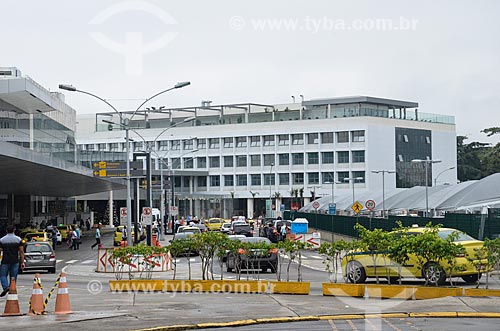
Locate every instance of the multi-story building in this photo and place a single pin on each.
(231, 159)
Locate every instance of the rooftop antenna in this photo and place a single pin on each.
(302, 97)
(293, 98)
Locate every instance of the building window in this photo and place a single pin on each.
(358, 174)
(215, 181)
(312, 138)
(284, 159)
(89, 147)
(359, 136)
(343, 137)
(241, 142)
(202, 181)
(228, 142)
(297, 139)
(214, 143)
(228, 161)
(102, 147)
(297, 158)
(255, 141)
(228, 180)
(188, 144)
(269, 160)
(185, 181)
(343, 157)
(327, 137)
(269, 140)
(327, 177)
(312, 158)
(188, 163)
(313, 177)
(113, 147)
(298, 179)
(342, 175)
(202, 162)
(284, 179)
(255, 180)
(400, 158)
(358, 156)
(201, 143)
(428, 140)
(327, 157)
(241, 160)
(214, 162)
(283, 140)
(175, 145)
(241, 180)
(269, 179)
(163, 145)
(176, 163)
(255, 160)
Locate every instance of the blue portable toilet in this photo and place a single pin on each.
(300, 225)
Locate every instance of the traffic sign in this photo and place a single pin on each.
(370, 204)
(174, 211)
(147, 217)
(357, 207)
(123, 215)
(116, 165)
(107, 173)
(315, 204)
(332, 208)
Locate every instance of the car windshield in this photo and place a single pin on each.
(462, 236)
(214, 221)
(241, 227)
(38, 248)
(255, 240)
(226, 225)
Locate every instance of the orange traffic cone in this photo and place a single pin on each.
(62, 300)
(36, 301)
(12, 304)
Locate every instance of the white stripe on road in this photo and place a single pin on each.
(317, 257)
(88, 261)
(72, 261)
(58, 261)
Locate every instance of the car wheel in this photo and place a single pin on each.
(52, 270)
(355, 272)
(434, 274)
(472, 279)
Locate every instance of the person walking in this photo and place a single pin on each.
(97, 237)
(13, 256)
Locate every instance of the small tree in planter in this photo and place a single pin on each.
(400, 248)
(490, 251)
(292, 250)
(207, 244)
(182, 247)
(378, 242)
(450, 250)
(352, 266)
(332, 253)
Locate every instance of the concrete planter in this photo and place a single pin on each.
(431, 292)
(289, 287)
(480, 292)
(390, 291)
(343, 290)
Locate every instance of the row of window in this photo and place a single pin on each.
(283, 179)
(230, 161)
(242, 142)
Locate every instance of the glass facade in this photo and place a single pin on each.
(412, 144)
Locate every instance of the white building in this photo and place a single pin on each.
(231, 158)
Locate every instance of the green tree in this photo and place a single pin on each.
(332, 253)
(400, 248)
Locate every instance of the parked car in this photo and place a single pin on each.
(186, 228)
(201, 226)
(39, 256)
(255, 259)
(358, 266)
(184, 236)
(35, 236)
(243, 229)
(214, 224)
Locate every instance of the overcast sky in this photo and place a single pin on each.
(442, 54)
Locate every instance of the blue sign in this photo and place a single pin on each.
(282, 207)
(332, 208)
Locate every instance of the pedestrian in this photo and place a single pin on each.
(74, 239)
(81, 223)
(87, 224)
(97, 237)
(124, 233)
(53, 232)
(283, 232)
(78, 237)
(13, 256)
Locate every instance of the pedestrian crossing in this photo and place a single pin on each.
(75, 261)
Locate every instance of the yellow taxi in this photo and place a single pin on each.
(34, 236)
(64, 230)
(214, 224)
(357, 266)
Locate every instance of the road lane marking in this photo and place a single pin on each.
(316, 257)
(57, 261)
(332, 324)
(88, 261)
(71, 262)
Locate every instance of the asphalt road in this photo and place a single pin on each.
(95, 307)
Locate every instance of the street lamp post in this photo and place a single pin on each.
(125, 122)
(270, 188)
(445, 170)
(427, 163)
(353, 180)
(383, 172)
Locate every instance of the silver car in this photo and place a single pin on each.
(39, 256)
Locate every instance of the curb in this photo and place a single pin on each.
(323, 317)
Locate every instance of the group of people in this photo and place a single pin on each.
(274, 234)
